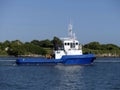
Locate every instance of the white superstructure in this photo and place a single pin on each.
(71, 46)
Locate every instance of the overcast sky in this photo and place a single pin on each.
(92, 20)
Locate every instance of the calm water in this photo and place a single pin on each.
(103, 75)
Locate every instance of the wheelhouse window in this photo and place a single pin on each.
(76, 43)
(66, 44)
(72, 45)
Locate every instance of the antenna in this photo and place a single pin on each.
(70, 30)
(70, 33)
(74, 37)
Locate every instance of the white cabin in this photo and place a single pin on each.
(71, 46)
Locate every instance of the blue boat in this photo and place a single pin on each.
(70, 54)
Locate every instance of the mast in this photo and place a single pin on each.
(70, 34)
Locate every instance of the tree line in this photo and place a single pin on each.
(35, 47)
(44, 47)
(102, 49)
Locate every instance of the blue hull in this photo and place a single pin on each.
(66, 60)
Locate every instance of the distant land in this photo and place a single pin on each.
(45, 48)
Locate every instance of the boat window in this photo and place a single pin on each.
(65, 43)
(76, 43)
(72, 45)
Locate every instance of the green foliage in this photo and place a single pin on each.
(97, 48)
(34, 49)
(93, 45)
(25, 49)
(16, 48)
(57, 43)
(3, 53)
(111, 47)
(44, 47)
(44, 43)
(35, 42)
(4, 44)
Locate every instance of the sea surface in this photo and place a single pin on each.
(104, 74)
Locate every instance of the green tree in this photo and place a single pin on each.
(43, 43)
(57, 42)
(4, 45)
(111, 47)
(16, 48)
(36, 42)
(93, 45)
(34, 49)
(46, 43)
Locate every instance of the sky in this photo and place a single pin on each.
(92, 20)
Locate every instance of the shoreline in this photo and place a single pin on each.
(40, 56)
